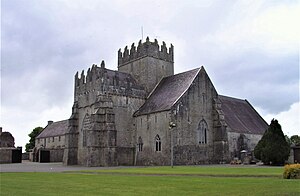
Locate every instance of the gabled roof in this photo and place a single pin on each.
(54, 129)
(167, 92)
(241, 117)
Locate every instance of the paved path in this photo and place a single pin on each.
(27, 166)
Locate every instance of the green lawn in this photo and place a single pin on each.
(233, 171)
(118, 182)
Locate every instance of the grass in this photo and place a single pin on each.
(120, 183)
(233, 171)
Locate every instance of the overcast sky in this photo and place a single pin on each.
(250, 49)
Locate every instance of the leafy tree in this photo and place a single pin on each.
(272, 148)
(35, 132)
(295, 139)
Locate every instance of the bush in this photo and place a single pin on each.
(292, 171)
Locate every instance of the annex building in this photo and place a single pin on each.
(143, 114)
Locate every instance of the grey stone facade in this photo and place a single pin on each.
(51, 139)
(143, 114)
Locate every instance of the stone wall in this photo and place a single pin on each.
(56, 155)
(147, 63)
(6, 155)
(147, 128)
(191, 154)
(239, 142)
(126, 155)
(193, 110)
(51, 142)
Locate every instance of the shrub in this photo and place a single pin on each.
(292, 171)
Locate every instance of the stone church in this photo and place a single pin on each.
(143, 114)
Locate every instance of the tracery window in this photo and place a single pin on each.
(157, 143)
(202, 132)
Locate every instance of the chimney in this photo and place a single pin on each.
(50, 122)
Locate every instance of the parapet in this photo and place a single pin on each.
(102, 80)
(147, 48)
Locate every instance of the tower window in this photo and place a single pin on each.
(157, 143)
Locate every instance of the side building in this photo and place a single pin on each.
(50, 143)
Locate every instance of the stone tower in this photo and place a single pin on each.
(147, 63)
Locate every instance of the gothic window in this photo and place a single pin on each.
(202, 132)
(140, 144)
(157, 143)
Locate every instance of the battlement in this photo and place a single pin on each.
(147, 48)
(91, 75)
(100, 80)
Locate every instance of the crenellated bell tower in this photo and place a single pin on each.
(148, 63)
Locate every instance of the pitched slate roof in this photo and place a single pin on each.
(241, 117)
(55, 129)
(167, 92)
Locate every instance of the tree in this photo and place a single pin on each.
(35, 132)
(272, 148)
(295, 139)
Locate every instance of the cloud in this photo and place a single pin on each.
(289, 120)
(273, 29)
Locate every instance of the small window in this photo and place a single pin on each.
(157, 143)
(140, 144)
(59, 138)
(52, 139)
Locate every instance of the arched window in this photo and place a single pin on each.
(202, 132)
(140, 144)
(157, 143)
